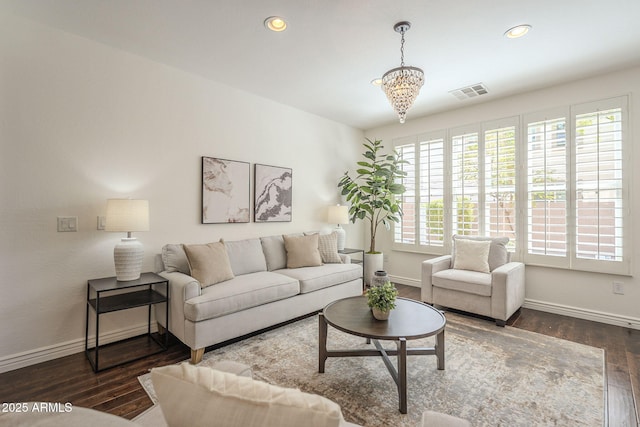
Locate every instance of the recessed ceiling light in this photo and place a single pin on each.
(377, 81)
(275, 23)
(517, 31)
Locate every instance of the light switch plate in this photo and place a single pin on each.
(102, 220)
(67, 223)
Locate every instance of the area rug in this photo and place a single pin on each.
(493, 377)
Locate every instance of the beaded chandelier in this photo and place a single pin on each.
(402, 84)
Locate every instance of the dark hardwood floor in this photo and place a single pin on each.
(117, 390)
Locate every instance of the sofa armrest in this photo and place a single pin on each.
(182, 288)
(429, 268)
(507, 293)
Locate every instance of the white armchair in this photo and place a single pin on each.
(478, 277)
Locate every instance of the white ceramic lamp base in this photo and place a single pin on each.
(128, 256)
(342, 237)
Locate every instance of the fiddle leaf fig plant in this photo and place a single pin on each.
(372, 193)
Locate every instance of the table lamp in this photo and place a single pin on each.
(127, 215)
(339, 215)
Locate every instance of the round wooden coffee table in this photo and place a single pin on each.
(408, 321)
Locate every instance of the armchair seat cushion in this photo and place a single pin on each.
(471, 282)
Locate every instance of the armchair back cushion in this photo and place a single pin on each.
(498, 253)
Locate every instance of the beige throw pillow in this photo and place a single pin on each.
(195, 395)
(209, 263)
(302, 251)
(472, 255)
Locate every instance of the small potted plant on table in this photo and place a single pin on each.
(382, 299)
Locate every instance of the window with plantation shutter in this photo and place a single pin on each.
(500, 183)
(405, 231)
(599, 185)
(431, 193)
(547, 187)
(555, 182)
(465, 184)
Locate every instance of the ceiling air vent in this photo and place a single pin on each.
(469, 91)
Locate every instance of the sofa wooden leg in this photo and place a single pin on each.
(196, 355)
(501, 323)
(161, 329)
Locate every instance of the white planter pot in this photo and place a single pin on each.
(379, 314)
(372, 263)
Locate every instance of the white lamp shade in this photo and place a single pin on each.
(338, 215)
(127, 215)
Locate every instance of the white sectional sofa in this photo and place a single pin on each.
(263, 290)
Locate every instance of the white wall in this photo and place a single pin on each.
(581, 294)
(81, 122)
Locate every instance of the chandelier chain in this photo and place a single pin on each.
(402, 49)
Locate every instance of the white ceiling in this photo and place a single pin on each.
(324, 62)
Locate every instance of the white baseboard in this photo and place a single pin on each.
(581, 313)
(43, 354)
(565, 310)
(406, 281)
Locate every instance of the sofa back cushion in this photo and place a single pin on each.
(209, 264)
(174, 259)
(245, 256)
(498, 253)
(274, 252)
(192, 395)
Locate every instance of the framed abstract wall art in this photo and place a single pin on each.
(225, 191)
(273, 194)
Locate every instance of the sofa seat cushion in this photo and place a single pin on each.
(314, 278)
(471, 282)
(240, 293)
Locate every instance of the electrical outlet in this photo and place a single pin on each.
(67, 223)
(618, 288)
